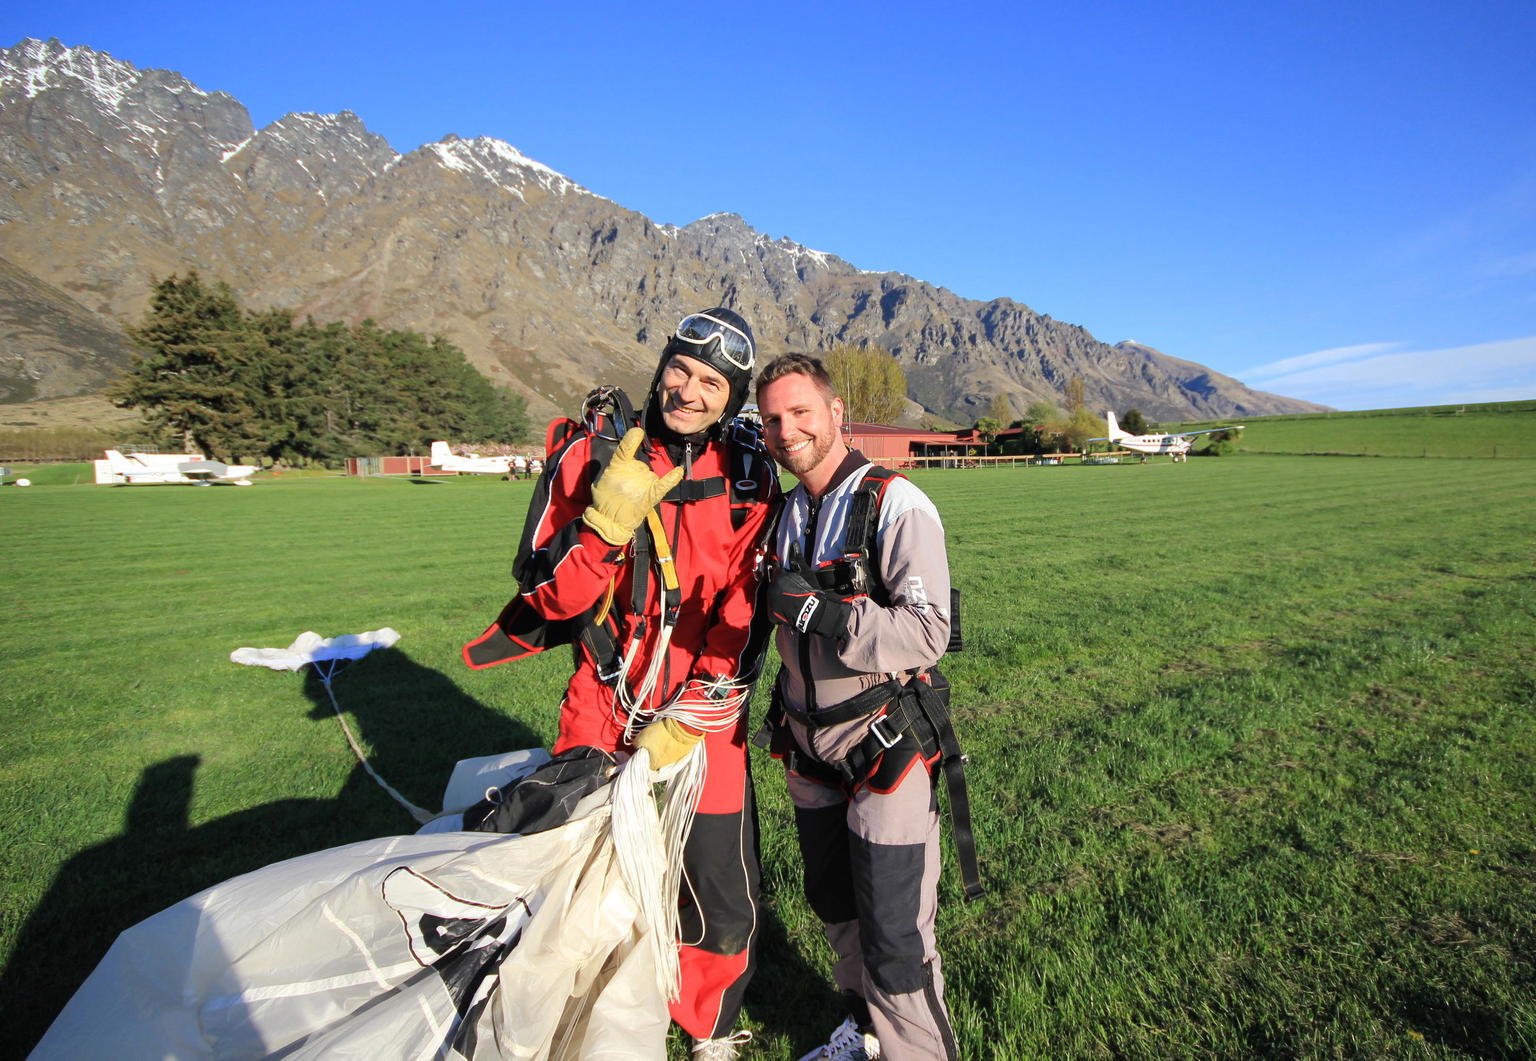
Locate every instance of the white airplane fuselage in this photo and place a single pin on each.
(1155, 443)
(137, 469)
(442, 456)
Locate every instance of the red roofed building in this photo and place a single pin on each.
(895, 447)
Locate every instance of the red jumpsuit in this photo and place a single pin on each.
(713, 540)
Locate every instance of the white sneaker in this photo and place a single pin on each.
(847, 1043)
(723, 1049)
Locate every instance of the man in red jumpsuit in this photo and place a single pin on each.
(681, 667)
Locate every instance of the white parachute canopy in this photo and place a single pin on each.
(456, 945)
(309, 647)
(466, 946)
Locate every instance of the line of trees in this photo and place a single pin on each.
(253, 386)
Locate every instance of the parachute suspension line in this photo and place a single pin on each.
(644, 863)
(711, 704)
(632, 706)
(679, 803)
(326, 669)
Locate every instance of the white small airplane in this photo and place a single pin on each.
(1176, 446)
(135, 469)
(448, 461)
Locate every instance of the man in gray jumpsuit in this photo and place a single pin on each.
(870, 837)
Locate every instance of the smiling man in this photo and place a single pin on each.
(666, 663)
(860, 625)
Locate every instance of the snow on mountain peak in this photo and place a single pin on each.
(795, 250)
(37, 66)
(502, 164)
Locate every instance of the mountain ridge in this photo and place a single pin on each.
(111, 177)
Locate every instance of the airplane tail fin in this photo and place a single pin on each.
(1114, 429)
(440, 454)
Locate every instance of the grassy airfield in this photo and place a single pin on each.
(1253, 740)
(1493, 429)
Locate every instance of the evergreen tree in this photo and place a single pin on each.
(194, 375)
(244, 385)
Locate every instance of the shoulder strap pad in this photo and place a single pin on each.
(864, 511)
(855, 571)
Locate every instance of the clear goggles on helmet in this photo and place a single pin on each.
(735, 347)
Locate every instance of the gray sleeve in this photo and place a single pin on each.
(914, 630)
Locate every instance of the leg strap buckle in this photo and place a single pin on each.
(877, 730)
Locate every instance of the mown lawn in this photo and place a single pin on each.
(1252, 739)
(1499, 430)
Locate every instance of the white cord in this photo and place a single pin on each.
(631, 706)
(646, 864)
(421, 816)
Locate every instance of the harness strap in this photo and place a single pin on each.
(921, 707)
(663, 551)
(915, 710)
(696, 489)
(602, 609)
(869, 700)
(931, 703)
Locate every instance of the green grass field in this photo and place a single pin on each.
(1254, 751)
(1497, 429)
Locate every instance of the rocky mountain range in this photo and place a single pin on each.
(112, 177)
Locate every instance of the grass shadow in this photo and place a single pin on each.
(415, 723)
(786, 991)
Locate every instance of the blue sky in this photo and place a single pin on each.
(1334, 201)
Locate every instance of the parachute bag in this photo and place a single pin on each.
(545, 798)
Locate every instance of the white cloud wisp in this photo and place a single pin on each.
(1384, 376)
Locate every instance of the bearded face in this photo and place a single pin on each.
(801, 424)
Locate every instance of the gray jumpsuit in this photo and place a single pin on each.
(872, 856)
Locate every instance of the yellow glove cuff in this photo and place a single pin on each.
(668, 740)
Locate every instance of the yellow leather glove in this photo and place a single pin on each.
(626, 491)
(668, 740)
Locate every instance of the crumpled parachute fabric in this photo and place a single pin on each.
(310, 647)
(440, 945)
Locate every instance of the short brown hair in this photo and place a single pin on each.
(793, 365)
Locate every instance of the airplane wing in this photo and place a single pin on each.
(1206, 431)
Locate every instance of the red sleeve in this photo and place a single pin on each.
(570, 566)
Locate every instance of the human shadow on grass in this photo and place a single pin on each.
(787, 995)
(414, 722)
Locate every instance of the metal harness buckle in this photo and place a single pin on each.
(885, 742)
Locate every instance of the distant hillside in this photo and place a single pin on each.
(50, 345)
(112, 177)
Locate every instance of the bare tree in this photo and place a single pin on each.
(870, 382)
